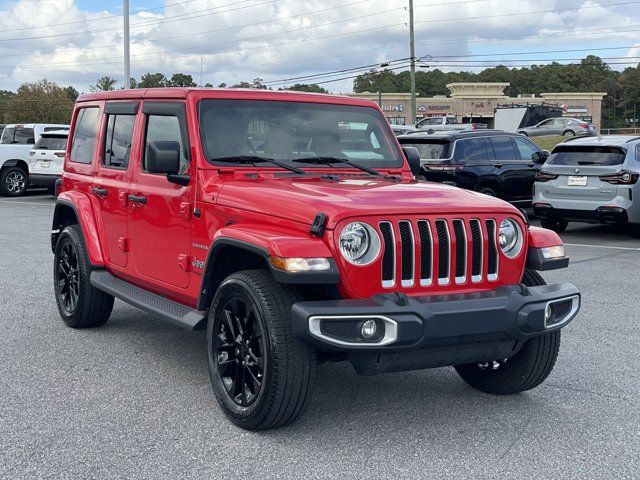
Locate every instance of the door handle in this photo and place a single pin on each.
(137, 198)
(498, 165)
(100, 192)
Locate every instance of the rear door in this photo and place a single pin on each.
(160, 211)
(111, 182)
(579, 168)
(515, 179)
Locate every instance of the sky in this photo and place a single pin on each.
(74, 42)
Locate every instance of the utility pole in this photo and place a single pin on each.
(413, 63)
(127, 64)
(201, 60)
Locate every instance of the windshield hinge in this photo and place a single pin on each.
(318, 225)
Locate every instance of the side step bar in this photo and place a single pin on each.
(157, 305)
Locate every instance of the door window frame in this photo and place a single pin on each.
(166, 109)
(117, 109)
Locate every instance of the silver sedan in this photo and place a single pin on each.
(565, 126)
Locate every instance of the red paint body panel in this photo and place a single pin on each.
(167, 244)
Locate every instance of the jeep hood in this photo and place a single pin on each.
(301, 198)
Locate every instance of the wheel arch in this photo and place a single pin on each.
(16, 162)
(74, 208)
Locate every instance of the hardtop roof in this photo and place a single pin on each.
(601, 140)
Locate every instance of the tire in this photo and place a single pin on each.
(525, 370)
(87, 307)
(488, 191)
(13, 182)
(556, 224)
(253, 303)
(524, 134)
(568, 133)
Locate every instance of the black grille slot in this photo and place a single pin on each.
(388, 257)
(425, 253)
(443, 249)
(341, 329)
(492, 260)
(461, 248)
(476, 248)
(406, 239)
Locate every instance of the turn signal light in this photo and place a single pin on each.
(295, 265)
(621, 178)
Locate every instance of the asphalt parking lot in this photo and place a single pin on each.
(132, 399)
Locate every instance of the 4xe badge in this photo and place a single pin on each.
(199, 264)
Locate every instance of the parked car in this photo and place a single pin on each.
(402, 129)
(308, 245)
(493, 162)
(446, 123)
(568, 127)
(46, 159)
(16, 142)
(593, 180)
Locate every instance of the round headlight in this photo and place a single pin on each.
(359, 243)
(510, 238)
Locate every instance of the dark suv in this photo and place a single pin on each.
(492, 162)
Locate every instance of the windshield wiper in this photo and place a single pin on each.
(253, 159)
(330, 160)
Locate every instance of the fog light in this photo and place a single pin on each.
(368, 329)
(548, 313)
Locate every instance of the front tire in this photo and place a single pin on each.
(262, 374)
(525, 370)
(13, 182)
(80, 304)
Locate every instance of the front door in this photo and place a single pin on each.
(513, 173)
(111, 183)
(159, 226)
(531, 157)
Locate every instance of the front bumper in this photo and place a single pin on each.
(43, 180)
(424, 332)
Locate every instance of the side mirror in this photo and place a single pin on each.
(540, 157)
(163, 157)
(413, 159)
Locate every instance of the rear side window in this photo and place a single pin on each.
(472, 150)
(431, 151)
(587, 155)
(84, 136)
(117, 144)
(503, 148)
(51, 143)
(18, 136)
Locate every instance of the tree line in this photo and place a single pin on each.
(591, 74)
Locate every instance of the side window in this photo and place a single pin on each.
(546, 123)
(117, 142)
(164, 128)
(84, 136)
(472, 150)
(503, 148)
(525, 148)
(638, 153)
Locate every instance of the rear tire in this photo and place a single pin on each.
(569, 133)
(80, 304)
(488, 191)
(525, 370)
(250, 321)
(13, 182)
(556, 224)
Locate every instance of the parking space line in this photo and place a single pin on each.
(26, 203)
(636, 249)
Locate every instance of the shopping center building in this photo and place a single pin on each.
(475, 102)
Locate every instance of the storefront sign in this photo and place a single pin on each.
(393, 108)
(423, 107)
(575, 108)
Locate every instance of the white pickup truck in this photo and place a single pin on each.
(15, 144)
(446, 123)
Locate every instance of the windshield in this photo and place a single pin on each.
(51, 143)
(288, 131)
(586, 155)
(16, 135)
(431, 151)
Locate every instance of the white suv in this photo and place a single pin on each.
(46, 159)
(15, 144)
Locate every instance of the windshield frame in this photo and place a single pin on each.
(387, 136)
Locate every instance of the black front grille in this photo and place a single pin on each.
(389, 256)
(443, 249)
(492, 259)
(476, 248)
(461, 248)
(407, 250)
(426, 261)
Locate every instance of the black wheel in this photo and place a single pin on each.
(488, 191)
(13, 181)
(262, 375)
(80, 304)
(525, 370)
(569, 133)
(556, 224)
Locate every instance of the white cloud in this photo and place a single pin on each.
(288, 38)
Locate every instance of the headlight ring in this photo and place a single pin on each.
(359, 243)
(510, 238)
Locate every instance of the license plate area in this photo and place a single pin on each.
(577, 181)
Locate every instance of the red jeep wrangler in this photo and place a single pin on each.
(290, 226)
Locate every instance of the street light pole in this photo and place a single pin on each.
(413, 62)
(127, 64)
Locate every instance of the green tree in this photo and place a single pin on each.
(304, 87)
(153, 80)
(181, 80)
(257, 84)
(39, 102)
(5, 98)
(72, 93)
(104, 84)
